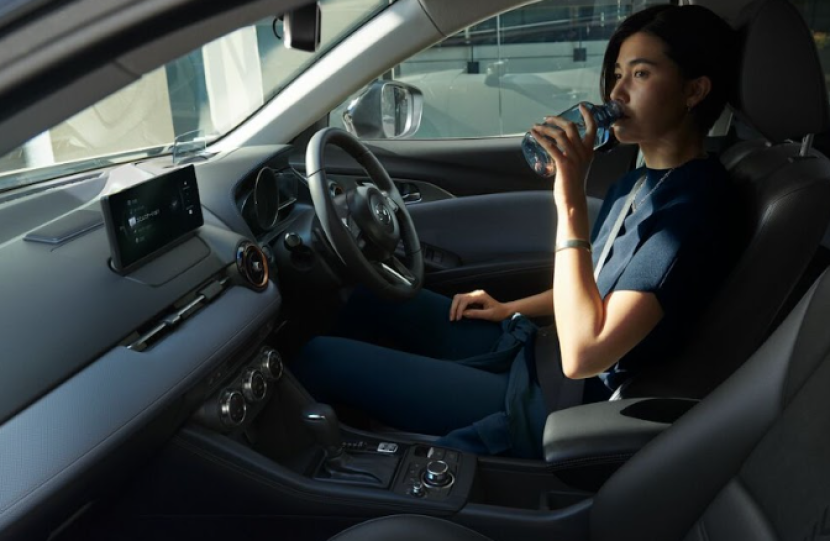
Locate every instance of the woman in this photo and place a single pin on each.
(472, 379)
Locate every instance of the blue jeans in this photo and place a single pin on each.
(415, 386)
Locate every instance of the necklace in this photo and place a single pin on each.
(634, 203)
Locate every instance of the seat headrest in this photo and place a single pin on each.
(780, 88)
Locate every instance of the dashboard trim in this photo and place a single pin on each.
(67, 432)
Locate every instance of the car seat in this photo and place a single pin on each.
(784, 189)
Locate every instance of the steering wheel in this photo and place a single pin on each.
(366, 223)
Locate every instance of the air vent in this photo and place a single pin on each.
(252, 264)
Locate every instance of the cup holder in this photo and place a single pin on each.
(659, 410)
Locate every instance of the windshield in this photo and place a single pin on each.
(198, 97)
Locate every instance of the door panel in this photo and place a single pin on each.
(485, 219)
(498, 242)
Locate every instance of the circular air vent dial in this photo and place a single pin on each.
(232, 408)
(254, 386)
(252, 264)
(271, 364)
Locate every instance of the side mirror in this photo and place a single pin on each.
(302, 28)
(385, 110)
(495, 71)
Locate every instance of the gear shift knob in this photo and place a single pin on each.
(323, 423)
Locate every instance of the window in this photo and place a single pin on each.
(502, 75)
(202, 95)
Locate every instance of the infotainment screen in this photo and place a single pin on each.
(144, 219)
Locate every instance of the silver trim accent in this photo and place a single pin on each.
(430, 486)
(173, 320)
(266, 364)
(446, 472)
(387, 447)
(248, 389)
(315, 417)
(395, 274)
(225, 408)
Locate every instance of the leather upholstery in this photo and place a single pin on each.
(777, 187)
(754, 432)
(775, 184)
(781, 87)
(409, 528)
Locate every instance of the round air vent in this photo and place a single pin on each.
(252, 264)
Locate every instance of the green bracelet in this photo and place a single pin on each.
(573, 243)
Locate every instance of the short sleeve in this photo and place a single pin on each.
(671, 261)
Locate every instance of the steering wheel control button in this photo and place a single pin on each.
(254, 385)
(388, 448)
(383, 214)
(437, 474)
(232, 408)
(389, 201)
(271, 364)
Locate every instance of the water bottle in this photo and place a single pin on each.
(604, 115)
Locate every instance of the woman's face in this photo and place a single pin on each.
(652, 90)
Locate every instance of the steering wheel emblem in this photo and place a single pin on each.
(383, 214)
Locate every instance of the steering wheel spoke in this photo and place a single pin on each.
(390, 201)
(360, 240)
(395, 272)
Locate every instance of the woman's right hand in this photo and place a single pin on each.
(486, 307)
(571, 153)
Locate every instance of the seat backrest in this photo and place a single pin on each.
(784, 190)
(749, 462)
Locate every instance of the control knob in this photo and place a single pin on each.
(271, 364)
(232, 408)
(292, 241)
(254, 385)
(437, 474)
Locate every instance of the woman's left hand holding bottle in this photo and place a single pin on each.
(571, 153)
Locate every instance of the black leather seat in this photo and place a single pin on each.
(785, 187)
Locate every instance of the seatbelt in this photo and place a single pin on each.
(559, 391)
(615, 230)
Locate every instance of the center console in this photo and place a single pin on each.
(290, 456)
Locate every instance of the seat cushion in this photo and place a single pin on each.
(409, 528)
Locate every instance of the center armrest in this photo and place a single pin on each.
(609, 431)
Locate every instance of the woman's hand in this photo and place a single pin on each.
(487, 307)
(574, 158)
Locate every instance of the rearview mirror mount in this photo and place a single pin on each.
(302, 28)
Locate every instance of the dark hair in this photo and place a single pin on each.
(697, 40)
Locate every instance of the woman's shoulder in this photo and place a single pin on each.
(703, 181)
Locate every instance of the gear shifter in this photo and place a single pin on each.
(339, 465)
(323, 423)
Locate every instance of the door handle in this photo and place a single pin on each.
(409, 192)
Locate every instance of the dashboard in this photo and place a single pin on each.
(94, 358)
